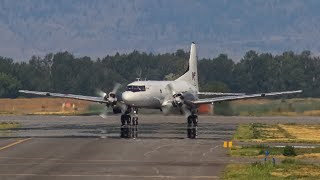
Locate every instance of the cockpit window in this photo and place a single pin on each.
(142, 88)
(136, 88)
(129, 88)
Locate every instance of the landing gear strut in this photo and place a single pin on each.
(192, 127)
(129, 125)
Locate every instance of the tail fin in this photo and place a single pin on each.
(191, 76)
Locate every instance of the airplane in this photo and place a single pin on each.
(181, 94)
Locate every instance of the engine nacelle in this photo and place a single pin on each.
(111, 99)
(178, 100)
(116, 110)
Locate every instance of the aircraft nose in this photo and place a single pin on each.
(126, 96)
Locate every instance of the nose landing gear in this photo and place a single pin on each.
(129, 126)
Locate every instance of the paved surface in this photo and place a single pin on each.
(53, 147)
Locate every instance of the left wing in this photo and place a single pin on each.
(230, 98)
(72, 96)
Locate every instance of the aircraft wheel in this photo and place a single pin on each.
(195, 120)
(128, 119)
(123, 119)
(135, 121)
(190, 120)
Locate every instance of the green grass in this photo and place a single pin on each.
(256, 150)
(257, 132)
(247, 132)
(8, 125)
(267, 108)
(287, 169)
(248, 171)
(244, 132)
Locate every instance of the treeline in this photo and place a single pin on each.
(65, 73)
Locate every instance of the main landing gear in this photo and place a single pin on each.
(129, 125)
(192, 127)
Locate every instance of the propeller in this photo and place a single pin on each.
(111, 97)
(104, 113)
(173, 99)
(100, 93)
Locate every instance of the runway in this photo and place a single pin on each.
(89, 147)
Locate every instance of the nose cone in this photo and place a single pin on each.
(126, 96)
(129, 97)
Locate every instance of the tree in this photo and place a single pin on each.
(9, 86)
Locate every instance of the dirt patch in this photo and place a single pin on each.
(42, 105)
(303, 132)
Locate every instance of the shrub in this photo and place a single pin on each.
(289, 161)
(289, 151)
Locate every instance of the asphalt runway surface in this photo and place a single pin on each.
(89, 147)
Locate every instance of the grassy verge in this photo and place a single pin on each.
(257, 132)
(259, 150)
(285, 133)
(267, 107)
(287, 169)
(8, 125)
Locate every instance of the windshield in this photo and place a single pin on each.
(136, 88)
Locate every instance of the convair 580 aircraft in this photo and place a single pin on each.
(181, 94)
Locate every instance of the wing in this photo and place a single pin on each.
(230, 98)
(72, 96)
(219, 94)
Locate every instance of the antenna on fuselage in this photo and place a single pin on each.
(138, 79)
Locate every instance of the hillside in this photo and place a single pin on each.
(98, 27)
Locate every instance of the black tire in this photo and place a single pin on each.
(128, 119)
(195, 120)
(123, 119)
(126, 132)
(122, 132)
(116, 110)
(189, 130)
(190, 120)
(193, 133)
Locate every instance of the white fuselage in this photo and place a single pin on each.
(151, 94)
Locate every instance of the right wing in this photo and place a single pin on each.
(219, 94)
(72, 96)
(230, 98)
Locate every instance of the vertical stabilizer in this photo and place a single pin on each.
(191, 76)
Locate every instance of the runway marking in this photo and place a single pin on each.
(201, 164)
(14, 143)
(102, 161)
(113, 175)
(157, 148)
(57, 159)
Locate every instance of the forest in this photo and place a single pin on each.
(255, 72)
